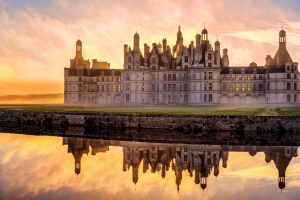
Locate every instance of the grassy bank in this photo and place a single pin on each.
(288, 111)
(209, 111)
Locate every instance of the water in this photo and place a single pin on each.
(43, 167)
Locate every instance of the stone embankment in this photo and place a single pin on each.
(144, 121)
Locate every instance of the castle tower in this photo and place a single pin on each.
(282, 39)
(198, 41)
(164, 45)
(78, 60)
(217, 47)
(179, 41)
(282, 55)
(225, 58)
(204, 35)
(136, 42)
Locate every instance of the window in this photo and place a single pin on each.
(129, 58)
(243, 87)
(209, 56)
(113, 87)
(288, 97)
(295, 98)
(237, 77)
(169, 87)
(224, 87)
(129, 66)
(249, 77)
(237, 87)
(295, 86)
(186, 59)
(288, 86)
(210, 75)
(164, 87)
(249, 87)
(127, 97)
(209, 64)
(169, 77)
(288, 76)
(260, 87)
(119, 88)
(165, 77)
(174, 77)
(230, 77)
(210, 98)
(243, 77)
(224, 77)
(174, 87)
(231, 88)
(210, 86)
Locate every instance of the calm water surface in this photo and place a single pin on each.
(40, 167)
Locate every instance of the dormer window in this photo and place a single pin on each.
(186, 59)
(230, 71)
(209, 56)
(289, 68)
(254, 71)
(243, 71)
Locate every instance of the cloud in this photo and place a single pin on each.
(37, 37)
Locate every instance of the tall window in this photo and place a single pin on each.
(209, 56)
(288, 97)
(210, 86)
(186, 59)
(295, 86)
(243, 87)
(174, 77)
(249, 77)
(249, 87)
(237, 87)
(210, 98)
(153, 60)
(288, 86)
(231, 88)
(224, 87)
(237, 77)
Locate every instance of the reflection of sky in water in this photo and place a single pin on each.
(41, 168)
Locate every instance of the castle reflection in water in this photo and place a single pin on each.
(199, 160)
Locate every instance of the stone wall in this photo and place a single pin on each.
(144, 121)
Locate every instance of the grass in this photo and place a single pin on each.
(288, 111)
(159, 110)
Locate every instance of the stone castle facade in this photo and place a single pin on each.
(197, 74)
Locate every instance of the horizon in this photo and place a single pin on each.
(38, 38)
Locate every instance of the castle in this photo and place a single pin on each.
(197, 74)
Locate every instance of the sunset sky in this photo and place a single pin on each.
(37, 38)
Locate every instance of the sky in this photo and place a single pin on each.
(37, 38)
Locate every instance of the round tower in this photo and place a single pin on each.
(282, 38)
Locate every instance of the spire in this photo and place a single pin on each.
(136, 43)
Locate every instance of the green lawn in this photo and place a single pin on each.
(209, 111)
(288, 111)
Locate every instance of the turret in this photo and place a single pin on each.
(136, 42)
(268, 60)
(282, 39)
(217, 47)
(79, 49)
(204, 35)
(198, 41)
(225, 58)
(164, 45)
(179, 36)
